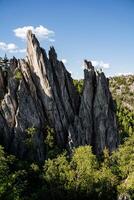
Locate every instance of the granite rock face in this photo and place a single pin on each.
(38, 90)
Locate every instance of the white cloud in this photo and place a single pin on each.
(100, 64)
(22, 50)
(51, 40)
(95, 63)
(11, 48)
(124, 74)
(40, 31)
(7, 47)
(64, 61)
(2, 45)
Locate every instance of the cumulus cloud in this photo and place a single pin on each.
(100, 64)
(8, 47)
(11, 48)
(40, 31)
(64, 61)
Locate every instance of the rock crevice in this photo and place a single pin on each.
(40, 91)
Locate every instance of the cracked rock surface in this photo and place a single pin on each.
(38, 90)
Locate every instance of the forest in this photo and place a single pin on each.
(81, 175)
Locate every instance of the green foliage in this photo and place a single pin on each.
(11, 181)
(127, 186)
(122, 90)
(83, 175)
(106, 181)
(50, 142)
(125, 157)
(123, 164)
(18, 75)
(31, 131)
(84, 164)
(79, 176)
(50, 138)
(3, 172)
(78, 85)
(57, 171)
(125, 119)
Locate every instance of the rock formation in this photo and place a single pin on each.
(38, 90)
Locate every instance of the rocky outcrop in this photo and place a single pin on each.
(2, 84)
(96, 122)
(40, 91)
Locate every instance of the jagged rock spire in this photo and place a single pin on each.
(40, 91)
(88, 65)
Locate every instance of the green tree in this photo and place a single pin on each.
(123, 162)
(11, 182)
(84, 164)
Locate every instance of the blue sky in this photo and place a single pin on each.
(97, 30)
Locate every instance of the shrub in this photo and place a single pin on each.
(18, 74)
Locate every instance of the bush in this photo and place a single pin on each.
(18, 74)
